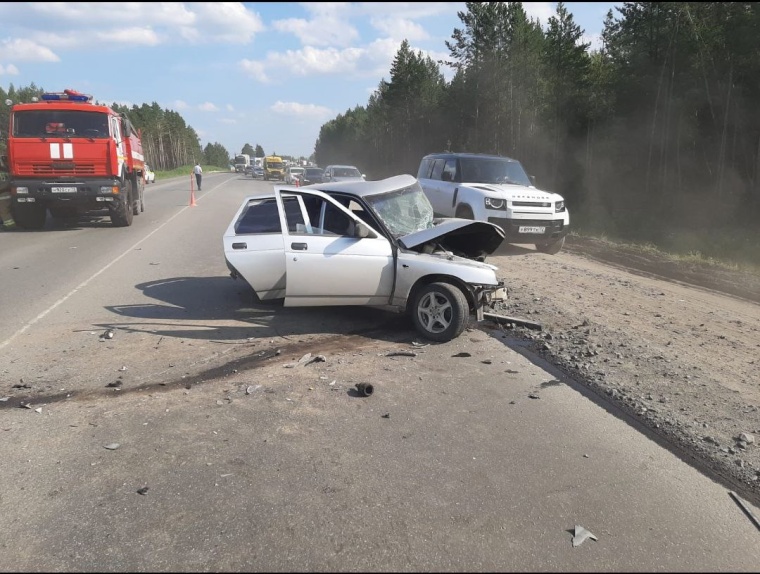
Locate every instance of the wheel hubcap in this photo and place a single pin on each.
(434, 312)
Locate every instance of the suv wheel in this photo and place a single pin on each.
(440, 312)
(552, 247)
(465, 212)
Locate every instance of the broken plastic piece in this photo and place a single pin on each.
(581, 534)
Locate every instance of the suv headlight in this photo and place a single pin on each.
(496, 203)
(559, 207)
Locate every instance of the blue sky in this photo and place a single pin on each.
(263, 73)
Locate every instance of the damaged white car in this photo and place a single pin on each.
(373, 243)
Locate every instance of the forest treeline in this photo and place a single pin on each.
(653, 136)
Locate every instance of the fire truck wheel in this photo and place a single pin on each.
(123, 212)
(30, 215)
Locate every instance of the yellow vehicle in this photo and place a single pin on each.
(274, 168)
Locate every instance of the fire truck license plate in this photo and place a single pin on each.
(63, 189)
(526, 229)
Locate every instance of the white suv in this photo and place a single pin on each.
(495, 189)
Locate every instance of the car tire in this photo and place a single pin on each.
(552, 247)
(440, 312)
(122, 214)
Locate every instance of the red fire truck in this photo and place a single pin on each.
(70, 156)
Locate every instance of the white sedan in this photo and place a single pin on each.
(371, 243)
(150, 177)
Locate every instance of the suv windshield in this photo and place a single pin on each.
(493, 170)
(60, 123)
(346, 172)
(403, 211)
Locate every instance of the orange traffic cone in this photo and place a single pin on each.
(192, 192)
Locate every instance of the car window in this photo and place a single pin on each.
(261, 216)
(347, 172)
(322, 216)
(437, 169)
(424, 171)
(449, 170)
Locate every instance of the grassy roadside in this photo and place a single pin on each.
(186, 171)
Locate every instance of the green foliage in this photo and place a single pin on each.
(248, 150)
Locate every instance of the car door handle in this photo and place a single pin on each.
(240, 246)
(299, 246)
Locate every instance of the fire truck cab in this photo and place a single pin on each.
(70, 156)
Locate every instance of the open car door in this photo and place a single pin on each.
(331, 256)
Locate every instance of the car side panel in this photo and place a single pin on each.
(260, 260)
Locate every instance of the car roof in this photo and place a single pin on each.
(366, 188)
(343, 165)
(454, 155)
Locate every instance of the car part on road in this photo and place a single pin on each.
(581, 535)
(504, 320)
(365, 389)
(745, 508)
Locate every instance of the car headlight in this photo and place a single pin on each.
(496, 203)
(559, 207)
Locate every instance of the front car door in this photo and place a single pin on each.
(326, 263)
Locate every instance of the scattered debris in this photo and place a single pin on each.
(112, 446)
(533, 396)
(122, 368)
(365, 389)
(419, 345)
(745, 508)
(463, 354)
(143, 490)
(22, 385)
(3, 399)
(386, 416)
(25, 406)
(581, 535)
(504, 320)
(316, 359)
(38, 410)
(252, 388)
(114, 385)
(107, 334)
(486, 362)
(747, 438)
(401, 354)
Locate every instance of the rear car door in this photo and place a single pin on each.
(326, 263)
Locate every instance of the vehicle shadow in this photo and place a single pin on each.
(202, 308)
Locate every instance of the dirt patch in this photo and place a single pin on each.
(675, 345)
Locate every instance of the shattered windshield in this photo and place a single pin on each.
(493, 170)
(403, 211)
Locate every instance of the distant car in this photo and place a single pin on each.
(248, 170)
(369, 243)
(293, 173)
(342, 173)
(312, 175)
(258, 172)
(150, 177)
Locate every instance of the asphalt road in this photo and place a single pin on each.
(469, 456)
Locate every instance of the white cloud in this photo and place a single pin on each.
(228, 121)
(9, 70)
(130, 37)
(400, 29)
(26, 51)
(208, 107)
(595, 41)
(229, 22)
(540, 10)
(255, 70)
(229, 108)
(411, 10)
(180, 105)
(322, 31)
(310, 111)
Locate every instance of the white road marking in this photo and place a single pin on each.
(87, 281)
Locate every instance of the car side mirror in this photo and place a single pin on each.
(533, 180)
(361, 231)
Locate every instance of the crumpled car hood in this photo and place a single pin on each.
(516, 192)
(472, 238)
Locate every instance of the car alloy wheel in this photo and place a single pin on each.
(440, 312)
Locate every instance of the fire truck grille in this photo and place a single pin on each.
(37, 169)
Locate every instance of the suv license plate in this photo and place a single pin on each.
(526, 229)
(63, 189)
